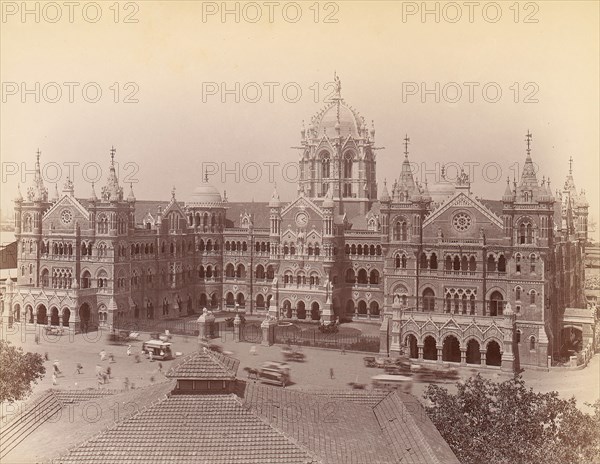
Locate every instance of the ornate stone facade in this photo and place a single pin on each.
(436, 268)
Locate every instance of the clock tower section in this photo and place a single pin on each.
(337, 152)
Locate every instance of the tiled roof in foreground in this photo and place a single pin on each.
(191, 429)
(205, 365)
(353, 427)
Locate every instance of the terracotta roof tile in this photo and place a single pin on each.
(205, 366)
(191, 429)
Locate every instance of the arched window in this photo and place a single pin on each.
(102, 224)
(448, 263)
(518, 293)
(45, 278)
(428, 300)
(325, 166)
(433, 264)
(350, 276)
(229, 270)
(472, 264)
(532, 260)
(401, 231)
(423, 262)
(404, 261)
(374, 277)
(532, 297)
(362, 276)
(397, 261)
(260, 272)
(348, 165)
(491, 263)
(240, 272)
(501, 264)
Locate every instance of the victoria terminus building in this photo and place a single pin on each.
(447, 275)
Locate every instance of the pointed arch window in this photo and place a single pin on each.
(325, 168)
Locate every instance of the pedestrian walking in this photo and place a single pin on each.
(79, 367)
(151, 357)
(344, 350)
(54, 382)
(102, 355)
(108, 371)
(159, 367)
(104, 378)
(56, 368)
(137, 358)
(37, 339)
(111, 358)
(46, 357)
(126, 383)
(128, 350)
(253, 350)
(151, 379)
(331, 372)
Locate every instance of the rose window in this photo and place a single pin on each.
(461, 221)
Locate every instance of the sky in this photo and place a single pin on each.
(181, 87)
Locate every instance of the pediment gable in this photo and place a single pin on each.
(74, 213)
(462, 201)
(304, 204)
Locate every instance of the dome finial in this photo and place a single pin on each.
(173, 193)
(571, 165)
(338, 85)
(528, 138)
(406, 142)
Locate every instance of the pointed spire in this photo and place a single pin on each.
(406, 142)
(173, 194)
(55, 195)
(385, 195)
(19, 196)
(275, 201)
(571, 166)
(38, 192)
(93, 196)
(131, 196)
(508, 194)
(426, 195)
(528, 178)
(112, 191)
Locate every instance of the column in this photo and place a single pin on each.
(483, 353)
(439, 354)
(420, 349)
(236, 328)
(463, 356)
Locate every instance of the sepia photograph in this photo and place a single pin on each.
(299, 232)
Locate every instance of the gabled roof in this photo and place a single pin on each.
(462, 200)
(191, 429)
(205, 365)
(67, 199)
(303, 201)
(326, 422)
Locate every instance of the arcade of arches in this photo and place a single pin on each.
(449, 349)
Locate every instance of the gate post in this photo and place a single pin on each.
(236, 328)
(268, 331)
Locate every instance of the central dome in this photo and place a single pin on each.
(338, 112)
(205, 193)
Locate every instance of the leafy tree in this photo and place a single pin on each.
(18, 371)
(507, 423)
